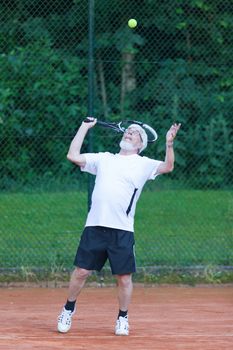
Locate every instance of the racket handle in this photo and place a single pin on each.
(112, 126)
(87, 120)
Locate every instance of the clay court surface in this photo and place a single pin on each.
(199, 318)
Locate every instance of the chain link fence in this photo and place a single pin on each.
(176, 65)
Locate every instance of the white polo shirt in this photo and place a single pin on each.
(118, 185)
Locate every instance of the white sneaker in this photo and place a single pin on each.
(65, 320)
(122, 326)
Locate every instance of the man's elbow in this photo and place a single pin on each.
(72, 158)
(76, 159)
(169, 168)
(69, 157)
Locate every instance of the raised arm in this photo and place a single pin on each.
(168, 164)
(74, 154)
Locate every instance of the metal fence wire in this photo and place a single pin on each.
(175, 65)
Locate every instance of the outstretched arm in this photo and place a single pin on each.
(74, 154)
(168, 164)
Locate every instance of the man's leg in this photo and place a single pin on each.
(77, 281)
(125, 289)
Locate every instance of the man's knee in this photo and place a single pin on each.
(124, 280)
(81, 274)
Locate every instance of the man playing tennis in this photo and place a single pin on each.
(109, 228)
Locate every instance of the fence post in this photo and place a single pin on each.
(91, 10)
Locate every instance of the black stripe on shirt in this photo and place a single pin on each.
(131, 202)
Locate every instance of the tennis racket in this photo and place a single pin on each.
(124, 124)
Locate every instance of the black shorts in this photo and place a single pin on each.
(99, 243)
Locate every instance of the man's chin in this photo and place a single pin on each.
(126, 146)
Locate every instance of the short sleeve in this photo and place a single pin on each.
(92, 161)
(155, 165)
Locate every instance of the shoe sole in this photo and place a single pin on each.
(63, 331)
(118, 333)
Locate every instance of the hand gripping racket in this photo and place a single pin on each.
(124, 124)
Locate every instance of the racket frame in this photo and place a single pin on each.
(120, 129)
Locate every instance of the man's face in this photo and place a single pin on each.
(132, 137)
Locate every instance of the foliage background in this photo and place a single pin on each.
(177, 65)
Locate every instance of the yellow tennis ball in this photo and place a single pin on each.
(132, 23)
